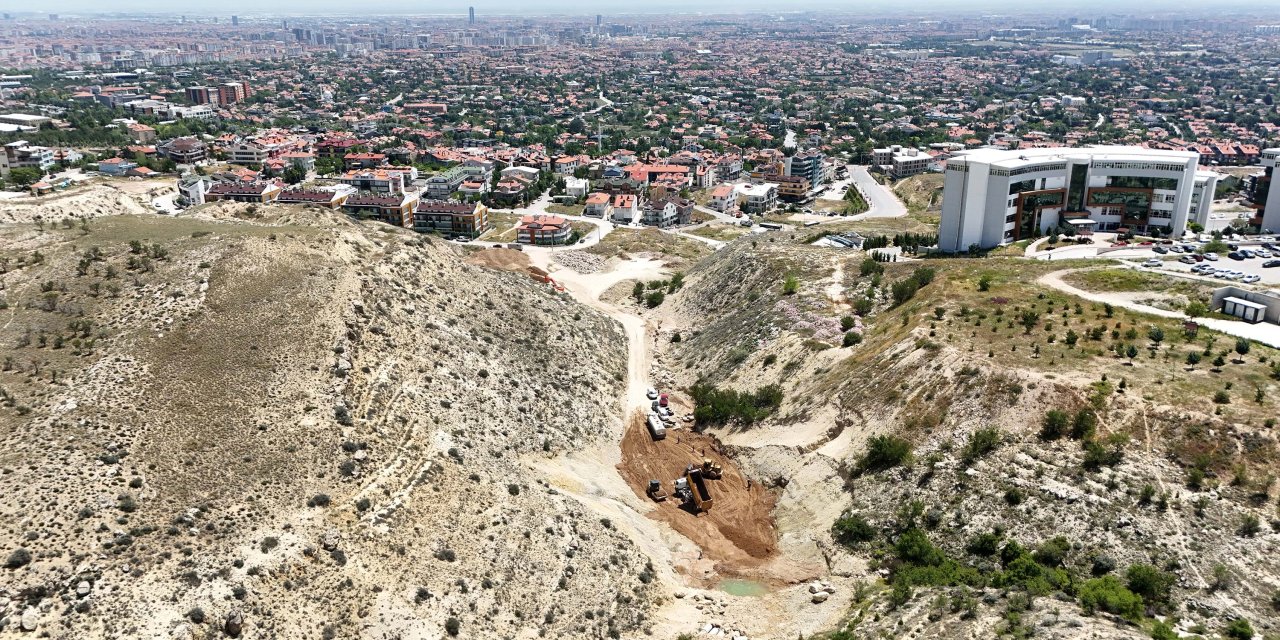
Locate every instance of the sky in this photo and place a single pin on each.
(591, 7)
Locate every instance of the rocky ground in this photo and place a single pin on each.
(288, 425)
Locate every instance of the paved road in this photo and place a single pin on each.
(883, 202)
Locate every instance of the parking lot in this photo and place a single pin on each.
(1267, 276)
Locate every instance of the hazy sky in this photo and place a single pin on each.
(592, 7)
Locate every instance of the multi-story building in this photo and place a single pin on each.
(1265, 194)
(807, 165)
(199, 95)
(991, 196)
(598, 205)
(792, 188)
(331, 199)
(376, 180)
(901, 162)
(183, 150)
(451, 218)
(543, 229)
(394, 208)
(443, 184)
(723, 197)
(758, 198)
(256, 192)
(24, 155)
(659, 214)
(249, 154)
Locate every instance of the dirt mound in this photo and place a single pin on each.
(501, 259)
(738, 533)
(80, 202)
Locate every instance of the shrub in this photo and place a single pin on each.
(1242, 348)
(885, 452)
(196, 615)
(847, 322)
(269, 543)
(852, 530)
(1053, 552)
(1097, 456)
(1221, 397)
(654, 299)
(870, 267)
(319, 500)
(1107, 594)
(851, 338)
(913, 546)
(18, 559)
(984, 283)
(720, 406)
(675, 337)
(452, 626)
(984, 544)
(1054, 425)
(1239, 629)
(981, 443)
(1084, 424)
(790, 285)
(1149, 582)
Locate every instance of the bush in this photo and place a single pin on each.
(720, 406)
(18, 559)
(654, 299)
(790, 285)
(1149, 582)
(851, 338)
(1053, 552)
(319, 500)
(984, 545)
(1097, 456)
(870, 267)
(452, 626)
(852, 530)
(1054, 425)
(1084, 424)
(847, 322)
(1107, 594)
(885, 452)
(1239, 629)
(981, 443)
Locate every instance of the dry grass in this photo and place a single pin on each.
(679, 251)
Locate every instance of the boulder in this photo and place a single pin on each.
(234, 624)
(30, 619)
(83, 588)
(820, 597)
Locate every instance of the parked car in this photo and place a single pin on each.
(1251, 278)
(1211, 256)
(1248, 253)
(1269, 246)
(1262, 253)
(1159, 249)
(1233, 246)
(1271, 263)
(1235, 255)
(1152, 263)
(1187, 260)
(651, 393)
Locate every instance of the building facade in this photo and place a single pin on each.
(992, 197)
(1265, 196)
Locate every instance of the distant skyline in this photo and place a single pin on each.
(585, 7)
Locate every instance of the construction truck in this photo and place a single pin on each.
(655, 491)
(711, 470)
(698, 493)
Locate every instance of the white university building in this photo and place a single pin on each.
(993, 197)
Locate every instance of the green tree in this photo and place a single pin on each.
(1028, 319)
(1054, 425)
(25, 176)
(1107, 594)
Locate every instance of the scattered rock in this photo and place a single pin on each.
(820, 597)
(30, 619)
(83, 588)
(234, 624)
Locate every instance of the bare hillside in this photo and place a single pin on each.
(296, 427)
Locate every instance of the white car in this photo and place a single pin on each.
(1262, 253)
(1152, 263)
(651, 393)
(1211, 256)
(1176, 248)
(1251, 278)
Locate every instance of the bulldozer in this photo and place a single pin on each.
(655, 491)
(711, 470)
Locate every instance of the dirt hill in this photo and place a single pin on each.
(293, 426)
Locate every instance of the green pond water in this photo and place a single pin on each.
(742, 587)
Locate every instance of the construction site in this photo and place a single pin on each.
(731, 522)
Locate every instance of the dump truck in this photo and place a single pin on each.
(701, 498)
(656, 428)
(655, 491)
(711, 470)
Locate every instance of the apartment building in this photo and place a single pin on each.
(723, 198)
(375, 180)
(249, 154)
(451, 218)
(598, 205)
(394, 209)
(24, 155)
(543, 230)
(443, 184)
(792, 188)
(808, 165)
(625, 208)
(758, 198)
(183, 150)
(901, 162)
(992, 197)
(661, 214)
(329, 199)
(256, 192)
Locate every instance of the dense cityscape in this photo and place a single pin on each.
(934, 321)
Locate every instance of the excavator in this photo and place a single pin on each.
(711, 470)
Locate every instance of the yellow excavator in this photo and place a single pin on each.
(711, 470)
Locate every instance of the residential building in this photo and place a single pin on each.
(183, 150)
(992, 196)
(543, 230)
(115, 166)
(661, 214)
(256, 192)
(246, 153)
(192, 189)
(451, 218)
(364, 160)
(199, 95)
(331, 199)
(598, 205)
(625, 208)
(808, 165)
(792, 188)
(24, 155)
(378, 181)
(758, 198)
(141, 133)
(723, 198)
(443, 184)
(392, 208)
(901, 162)
(576, 187)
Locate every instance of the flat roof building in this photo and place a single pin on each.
(1266, 194)
(992, 196)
